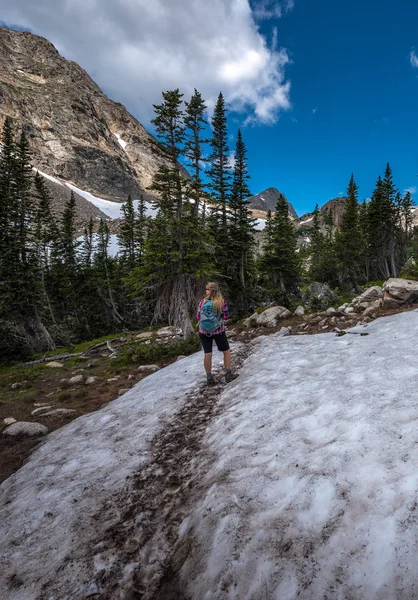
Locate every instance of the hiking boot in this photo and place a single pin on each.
(229, 376)
(210, 380)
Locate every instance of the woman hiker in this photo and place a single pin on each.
(211, 314)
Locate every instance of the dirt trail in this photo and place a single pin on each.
(146, 515)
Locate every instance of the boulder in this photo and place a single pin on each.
(399, 291)
(90, 380)
(372, 307)
(268, 318)
(75, 379)
(25, 428)
(299, 312)
(371, 294)
(9, 420)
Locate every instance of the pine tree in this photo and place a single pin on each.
(104, 271)
(241, 232)
(220, 182)
(195, 123)
(280, 263)
(382, 228)
(176, 255)
(169, 125)
(126, 236)
(349, 248)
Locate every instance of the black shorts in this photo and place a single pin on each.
(221, 342)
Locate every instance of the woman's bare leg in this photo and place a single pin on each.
(207, 362)
(227, 360)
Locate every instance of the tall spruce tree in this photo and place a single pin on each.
(220, 183)
(382, 228)
(195, 123)
(176, 255)
(348, 240)
(241, 233)
(127, 236)
(280, 263)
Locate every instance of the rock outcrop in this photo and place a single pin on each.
(76, 132)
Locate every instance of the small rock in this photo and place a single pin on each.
(183, 356)
(41, 404)
(342, 307)
(331, 310)
(300, 311)
(15, 386)
(9, 420)
(112, 379)
(89, 366)
(322, 323)
(40, 410)
(75, 379)
(54, 364)
(123, 391)
(59, 412)
(90, 380)
(284, 331)
(144, 335)
(349, 310)
(25, 428)
(148, 368)
(130, 377)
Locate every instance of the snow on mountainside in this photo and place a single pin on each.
(296, 481)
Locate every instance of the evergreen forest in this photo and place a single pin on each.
(56, 290)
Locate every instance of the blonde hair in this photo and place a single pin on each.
(215, 296)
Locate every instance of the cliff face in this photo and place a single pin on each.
(76, 132)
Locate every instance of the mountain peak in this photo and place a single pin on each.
(267, 200)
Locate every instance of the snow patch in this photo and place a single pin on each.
(121, 141)
(260, 224)
(54, 179)
(307, 221)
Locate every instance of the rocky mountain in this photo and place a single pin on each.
(77, 133)
(335, 207)
(267, 200)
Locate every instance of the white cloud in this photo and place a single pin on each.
(413, 58)
(271, 9)
(314, 110)
(412, 189)
(231, 160)
(135, 50)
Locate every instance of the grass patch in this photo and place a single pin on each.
(141, 352)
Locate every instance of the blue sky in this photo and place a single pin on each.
(354, 98)
(328, 86)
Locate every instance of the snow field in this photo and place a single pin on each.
(315, 491)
